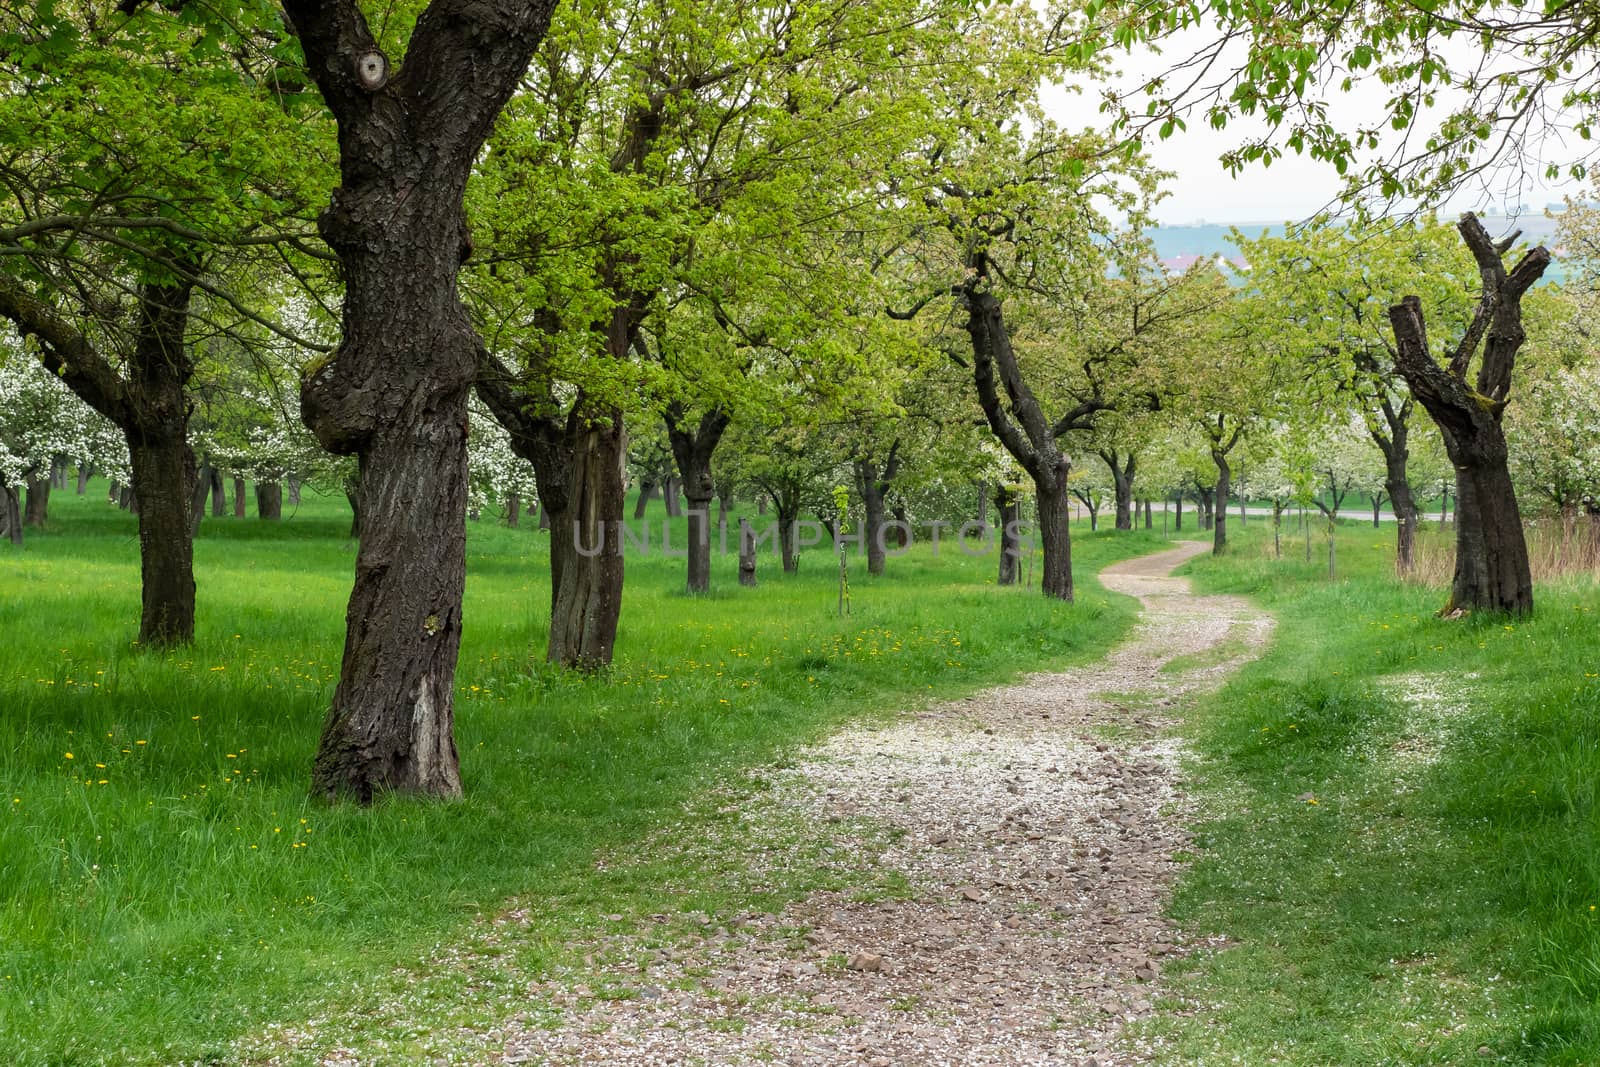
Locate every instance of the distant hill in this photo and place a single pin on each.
(1179, 245)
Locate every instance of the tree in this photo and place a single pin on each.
(1491, 572)
(111, 245)
(1328, 286)
(394, 393)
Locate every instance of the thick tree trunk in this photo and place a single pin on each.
(1008, 514)
(239, 488)
(37, 512)
(1492, 571)
(588, 596)
(513, 510)
(395, 392)
(747, 553)
(269, 501)
(85, 472)
(219, 494)
(163, 481)
(1055, 535)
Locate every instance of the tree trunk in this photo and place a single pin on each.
(1492, 572)
(1122, 476)
(37, 512)
(1277, 529)
(747, 553)
(163, 481)
(983, 502)
(692, 449)
(125, 498)
(58, 472)
(1219, 534)
(513, 510)
(269, 501)
(902, 531)
(788, 517)
(239, 487)
(352, 494)
(11, 513)
(1008, 514)
(197, 499)
(219, 494)
(1377, 510)
(294, 493)
(1055, 535)
(1177, 515)
(872, 483)
(394, 394)
(84, 473)
(588, 594)
(672, 496)
(647, 489)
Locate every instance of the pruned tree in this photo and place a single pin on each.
(1491, 570)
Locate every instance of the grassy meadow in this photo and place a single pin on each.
(166, 885)
(1400, 835)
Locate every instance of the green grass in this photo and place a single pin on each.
(170, 887)
(1401, 837)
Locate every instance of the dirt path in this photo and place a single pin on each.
(1004, 861)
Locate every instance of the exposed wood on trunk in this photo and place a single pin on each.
(394, 394)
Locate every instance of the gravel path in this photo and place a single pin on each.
(1029, 833)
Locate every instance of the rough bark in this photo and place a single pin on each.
(588, 592)
(163, 476)
(219, 494)
(513, 510)
(394, 394)
(269, 501)
(238, 497)
(1492, 573)
(692, 450)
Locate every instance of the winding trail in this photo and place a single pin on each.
(1003, 864)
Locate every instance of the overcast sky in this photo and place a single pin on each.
(1293, 187)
